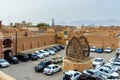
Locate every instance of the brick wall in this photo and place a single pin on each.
(27, 43)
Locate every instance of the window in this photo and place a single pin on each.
(90, 72)
(75, 74)
(53, 67)
(106, 71)
(101, 70)
(65, 34)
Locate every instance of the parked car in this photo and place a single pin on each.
(117, 50)
(45, 53)
(108, 73)
(89, 72)
(13, 60)
(39, 55)
(112, 60)
(92, 77)
(58, 48)
(22, 57)
(33, 56)
(43, 64)
(71, 75)
(50, 51)
(53, 49)
(116, 65)
(98, 61)
(111, 66)
(93, 48)
(52, 68)
(4, 63)
(99, 50)
(108, 50)
(61, 46)
(56, 60)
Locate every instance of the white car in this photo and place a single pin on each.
(73, 75)
(51, 69)
(117, 50)
(108, 50)
(89, 72)
(98, 61)
(107, 65)
(93, 48)
(4, 63)
(45, 53)
(116, 65)
(108, 72)
(50, 51)
(40, 55)
(112, 60)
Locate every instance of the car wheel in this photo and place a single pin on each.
(60, 69)
(52, 73)
(112, 77)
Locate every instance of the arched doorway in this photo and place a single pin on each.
(7, 54)
(7, 43)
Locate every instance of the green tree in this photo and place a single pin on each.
(42, 25)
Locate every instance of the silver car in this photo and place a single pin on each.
(40, 55)
(98, 61)
(4, 63)
(45, 53)
(108, 73)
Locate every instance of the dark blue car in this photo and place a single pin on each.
(99, 50)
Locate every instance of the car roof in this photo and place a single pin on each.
(105, 68)
(51, 65)
(70, 72)
(90, 70)
(98, 58)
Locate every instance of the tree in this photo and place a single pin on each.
(42, 25)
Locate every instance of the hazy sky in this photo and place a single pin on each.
(61, 10)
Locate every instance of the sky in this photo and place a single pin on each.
(61, 10)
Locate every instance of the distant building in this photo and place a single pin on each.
(53, 22)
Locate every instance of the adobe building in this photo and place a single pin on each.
(96, 36)
(14, 41)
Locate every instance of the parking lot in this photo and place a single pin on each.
(25, 70)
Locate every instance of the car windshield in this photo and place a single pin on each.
(117, 60)
(107, 66)
(110, 71)
(70, 75)
(25, 56)
(108, 48)
(48, 67)
(92, 48)
(115, 64)
(41, 63)
(98, 60)
(2, 61)
(14, 58)
(33, 54)
(43, 51)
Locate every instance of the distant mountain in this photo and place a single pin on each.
(92, 22)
